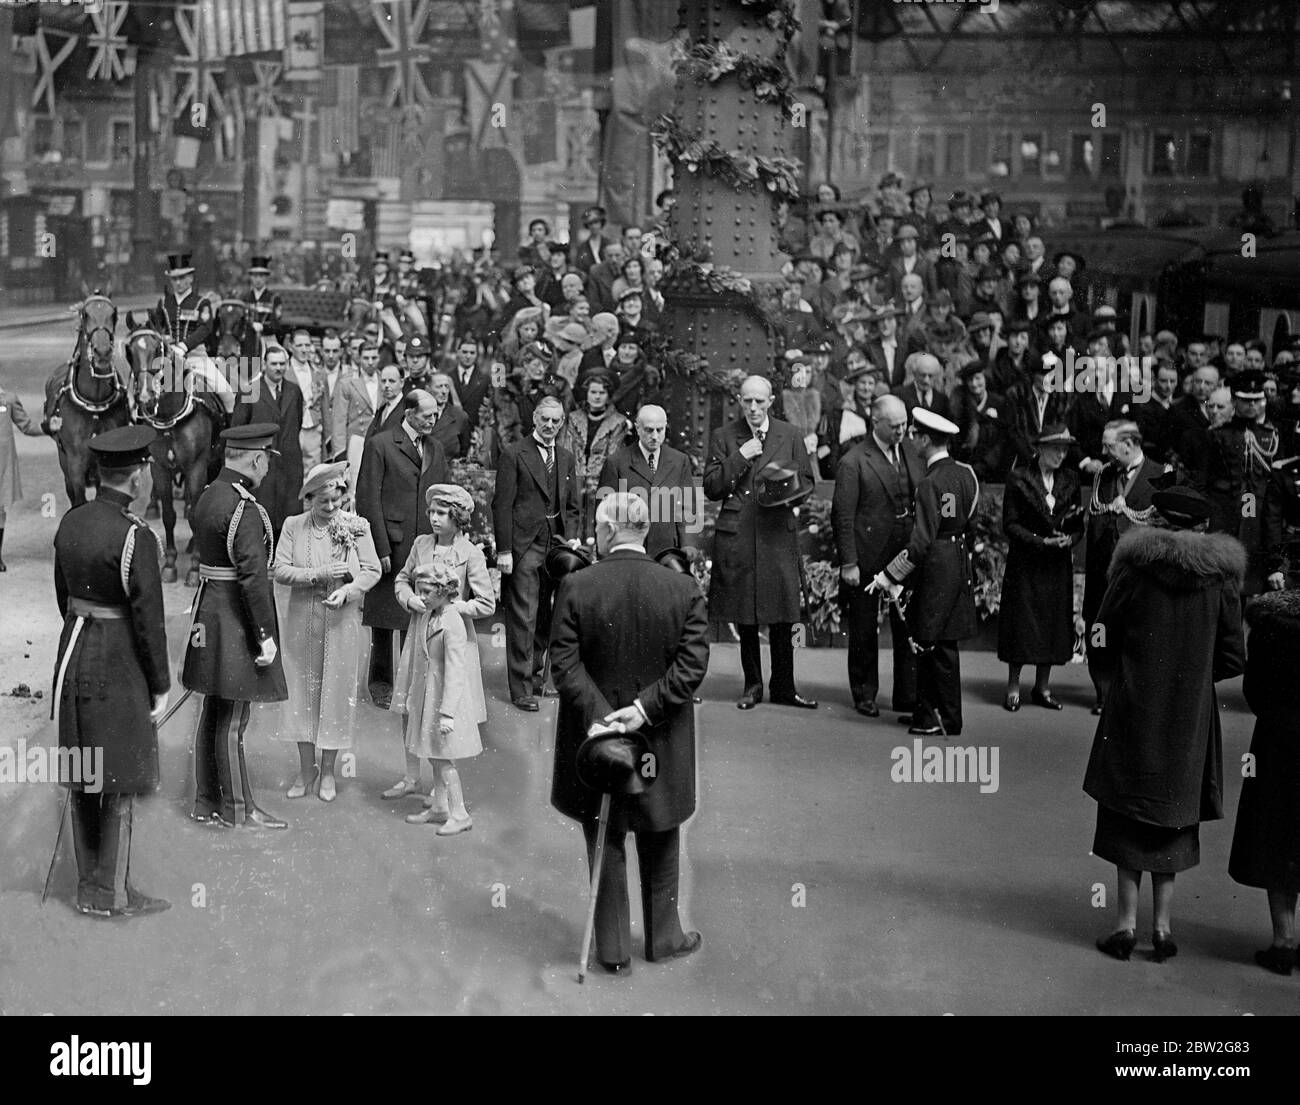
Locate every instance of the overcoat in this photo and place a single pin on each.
(1266, 842)
(670, 491)
(278, 491)
(12, 415)
(114, 666)
(755, 576)
(624, 629)
(1036, 619)
(1172, 617)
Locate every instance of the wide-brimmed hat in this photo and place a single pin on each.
(777, 485)
(980, 320)
(571, 333)
(921, 186)
(676, 559)
(610, 762)
(322, 475)
(563, 559)
(179, 264)
(988, 272)
(1182, 507)
(1055, 434)
(961, 198)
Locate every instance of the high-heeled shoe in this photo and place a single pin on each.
(1163, 946)
(1118, 945)
(327, 790)
(302, 789)
(1044, 699)
(1011, 703)
(1279, 960)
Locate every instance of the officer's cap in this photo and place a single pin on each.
(125, 447)
(256, 435)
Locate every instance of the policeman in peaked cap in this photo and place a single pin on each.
(232, 656)
(112, 677)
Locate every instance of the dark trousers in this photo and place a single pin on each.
(221, 782)
(657, 861)
(529, 595)
(751, 659)
(101, 836)
(862, 608)
(938, 687)
(381, 655)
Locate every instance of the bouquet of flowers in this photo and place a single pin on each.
(344, 530)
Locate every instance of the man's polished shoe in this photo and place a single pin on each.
(795, 700)
(526, 702)
(688, 946)
(260, 819)
(203, 817)
(867, 709)
(926, 731)
(751, 698)
(1044, 699)
(1011, 703)
(621, 969)
(138, 905)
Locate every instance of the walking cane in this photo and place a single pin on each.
(67, 800)
(598, 862)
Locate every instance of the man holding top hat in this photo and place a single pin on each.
(629, 648)
(264, 308)
(758, 468)
(111, 675)
(232, 657)
(936, 564)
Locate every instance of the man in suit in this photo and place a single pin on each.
(1192, 419)
(274, 397)
(641, 680)
(873, 516)
(316, 418)
(590, 252)
(391, 410)
(534, 504)
(600, 357)
(601, 277)
(181, 315)
(1157, 418)
(924, 373)
(1097, 406)
(888, 351)
(397, 467)
(452, 430)
(937, 563)
(473, 384)
(658, 472)
(755, 579)
(909, 260)
(355, 400)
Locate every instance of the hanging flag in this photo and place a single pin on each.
(8, 78)
(402, 23)
(234, 27)
(107, 43)
(306, 48)
(47, 64)
(194, 67)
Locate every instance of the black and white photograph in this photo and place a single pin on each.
(652, 507)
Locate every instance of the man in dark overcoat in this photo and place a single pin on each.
(397, 467)
(873, 515)
(937, 566)
(535, 502)
(629, 646)
(232, 656)
(275, 397)
(111, 674)
(755, 576)
(660, 473)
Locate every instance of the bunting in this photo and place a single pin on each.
(47, 64)
(108, 45)
(489, 80)
(194, 67)
(235, 27)
(402, 23)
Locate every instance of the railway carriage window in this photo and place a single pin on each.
(1199, 146)
(1164, 154)
(1110, 155)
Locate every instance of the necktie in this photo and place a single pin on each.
(654, 462)
(898, 461)
(549, 453)
(761, 435)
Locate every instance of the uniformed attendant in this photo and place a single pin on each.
(264, 307)
(232, 657)
(937, 566)
(181, 315)
(111, 675)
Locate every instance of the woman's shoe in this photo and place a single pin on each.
(428, 816)
(402, 788)
(302, 787)
(1163, 946)
(1011, 703)
(1120, 944)
(1044, 699)
(456, 825)
(327, 791)
(1281, 961)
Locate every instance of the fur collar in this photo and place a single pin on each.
(1275, 610)
(1180, 559)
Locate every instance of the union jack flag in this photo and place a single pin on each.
(402, 24)
(108, 59)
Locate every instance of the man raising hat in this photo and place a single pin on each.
(112, 675)
(231, 657)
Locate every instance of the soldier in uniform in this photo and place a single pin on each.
(1281, 525)
(111, 679)
(937, 563)
(232, 657)
(181, 315)
(264, 308)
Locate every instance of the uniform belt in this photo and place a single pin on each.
(81, 608)
(207, 572)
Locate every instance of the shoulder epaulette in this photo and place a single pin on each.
(135, 521)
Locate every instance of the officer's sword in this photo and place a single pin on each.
(67, 799)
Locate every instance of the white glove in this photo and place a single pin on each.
(266, 657)
(159, 707)
(882, 582)
(506, 562)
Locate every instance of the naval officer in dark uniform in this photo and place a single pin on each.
(111, 676)
(937, 566)
(232, 657)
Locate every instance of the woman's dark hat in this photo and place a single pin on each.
(561, 560)
(1079, 262)
(1056, 435)
(676, 559)
(1182, 507)
(776, 485)
(611, 763)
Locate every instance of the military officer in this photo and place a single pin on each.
(232, 657)
(264, 308)
(1281, 525)
(181, 315)
(111, 675)
(937, 566)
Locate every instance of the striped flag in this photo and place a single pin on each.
(232, 27)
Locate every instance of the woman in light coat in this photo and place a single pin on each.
(12, 415)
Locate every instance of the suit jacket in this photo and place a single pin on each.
(939, 402)
(864, 505)
(628, 629)
(392, 421)
(317, 403)
(278, 491)
(452, 431)
(1021, 418)
(670, 491)
(1087, 421)
(895, 376)
(755, 577)
(594, 360)
(600, 286)
(588, 254)
(471, 396)
(523, 499)
(922, 268)
(352, 412)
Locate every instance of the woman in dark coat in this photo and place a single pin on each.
(1042, 518)
(1266, 844)
(1172, 617)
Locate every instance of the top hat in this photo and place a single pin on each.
(676, 559)
(257, 264)
(124, 447)
(776, 485)
(406, 255)
(609, 761)
(179, 264)
(380, 258)
(562, 559)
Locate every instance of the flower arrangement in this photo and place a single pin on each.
(779, 15)
(695, 153)
(767, 78)
(344, 530)
(989, 546)
(480, 482)
(822, 579)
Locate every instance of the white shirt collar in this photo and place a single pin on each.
(415, 437)
(542, 444)
(764, 428)
(632, 545)
(940, 454)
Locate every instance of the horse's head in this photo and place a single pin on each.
(98, 326)
(360, 311)
(232, 327)
(144, 353)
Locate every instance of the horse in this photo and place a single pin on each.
(93, 400)
(187, 433)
